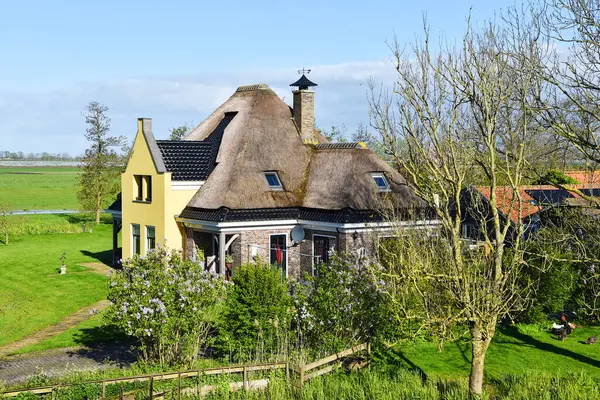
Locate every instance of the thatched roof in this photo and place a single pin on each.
(342, 177)
(262, 136)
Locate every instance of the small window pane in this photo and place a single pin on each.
(148, 184)
(139, 190)
(380, 181)
(135, 238)
(151, 238)
(273, 180)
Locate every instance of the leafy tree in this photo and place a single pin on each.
(179, 132)
(99, 181)
(566, 257)
(168, 303)
(556, 177)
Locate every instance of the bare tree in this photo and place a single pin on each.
(456, 117)
(571, 106)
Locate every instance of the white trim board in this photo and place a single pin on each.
(186, 185)
(284, 224)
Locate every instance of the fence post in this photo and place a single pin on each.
(179, 386)
(301, 376)
(245, 382)
(287, 370)
(151, 387)
(369, 350)
(103, 389)
(120, 392)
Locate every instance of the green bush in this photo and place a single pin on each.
(339, 307)
(256, 322)
(168, 303)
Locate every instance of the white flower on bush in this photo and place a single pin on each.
(164, 301)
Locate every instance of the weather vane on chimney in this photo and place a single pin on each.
(303, 71)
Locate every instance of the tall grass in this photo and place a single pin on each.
(379, 382)
(21, 225)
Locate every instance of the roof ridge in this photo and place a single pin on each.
(341, 145)
(256, 86)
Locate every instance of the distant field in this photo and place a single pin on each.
(39, 188)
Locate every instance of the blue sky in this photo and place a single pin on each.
(175, 61)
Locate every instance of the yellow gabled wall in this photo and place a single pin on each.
(176, 201)
(161, 211)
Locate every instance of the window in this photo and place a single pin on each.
(150, 238)
(278, 252)
(381, 182)
(138, 187)
(273, 181)
(323, 248)
(135, 239)
(148, 188)
(469, 231)
(142, 188)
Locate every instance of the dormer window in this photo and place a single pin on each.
(273, 181)
(381, 182)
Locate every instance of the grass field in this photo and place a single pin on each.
(515, 350)
(33, 294)
(39, 188)
(89, 333)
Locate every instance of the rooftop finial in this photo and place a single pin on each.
(303, 83)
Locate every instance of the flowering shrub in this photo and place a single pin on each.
(257, 317)
(338, 307)
(166, 302)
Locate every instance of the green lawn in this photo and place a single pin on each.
(33, 295)
(515, 350)
(88, 333)
(39, 188)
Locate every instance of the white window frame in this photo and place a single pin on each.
(287, 257)
(382, 176)
(148, 248)
(313, 247)
(278, 188)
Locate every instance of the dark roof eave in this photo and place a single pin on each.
(346, 215)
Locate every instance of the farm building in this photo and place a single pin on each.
(255, 179)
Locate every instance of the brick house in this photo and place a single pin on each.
(252, 173)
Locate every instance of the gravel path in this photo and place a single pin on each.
(17, 369)
(72, 320)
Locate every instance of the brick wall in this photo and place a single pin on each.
(261, 239)
(304, 113)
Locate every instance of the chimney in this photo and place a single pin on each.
(304, 107)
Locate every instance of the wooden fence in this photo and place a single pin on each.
(328, 364)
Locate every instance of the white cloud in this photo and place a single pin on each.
(53, 122)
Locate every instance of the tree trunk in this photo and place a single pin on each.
(98, 207)
(480, 343)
